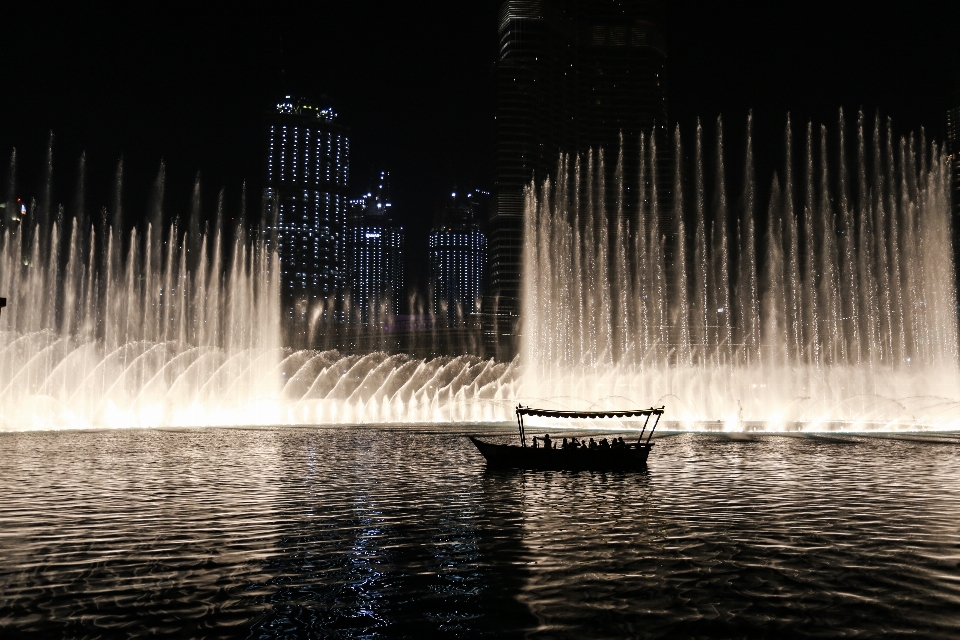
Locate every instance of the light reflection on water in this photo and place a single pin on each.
(400, 532)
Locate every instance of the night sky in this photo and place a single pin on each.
(414, 83)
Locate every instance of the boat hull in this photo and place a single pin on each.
(505, 456)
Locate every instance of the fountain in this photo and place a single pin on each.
(831, 308)
(179, 325)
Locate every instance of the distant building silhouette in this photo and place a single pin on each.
(458, 253)
(307, 173)
(374, 254)
(572, 75)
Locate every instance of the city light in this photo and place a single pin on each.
(307, 170)
(457, 252)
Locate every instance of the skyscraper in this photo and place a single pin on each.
(536, 119)
(572, 75)
(621, 92)
(374, 254)
(307, 173)
(458, 251)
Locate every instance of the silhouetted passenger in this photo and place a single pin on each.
(565, 445)
(535, 445)
(604, 444)
(623, 445)
(593, 445)
(546, 441)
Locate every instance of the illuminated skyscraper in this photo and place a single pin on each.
(572, 75)
(458, 252)
(307, 173)
(374, 254)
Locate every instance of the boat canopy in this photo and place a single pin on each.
(589, 415)
(592, 415)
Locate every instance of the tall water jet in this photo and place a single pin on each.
(749, 282)
(95, 336)
(832, 308)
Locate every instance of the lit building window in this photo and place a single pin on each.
(457, 254)
(297, 181)
(374, 254)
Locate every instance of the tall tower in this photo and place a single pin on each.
(374, 254)
(535, 121)
(458, 251)
(307, 172)
(622, 83)
(571, 76)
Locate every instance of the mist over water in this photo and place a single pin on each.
(829, 306)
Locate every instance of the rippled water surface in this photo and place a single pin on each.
(372, 532)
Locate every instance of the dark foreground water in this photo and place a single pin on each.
(369, 533)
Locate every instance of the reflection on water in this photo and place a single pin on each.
(370, 532)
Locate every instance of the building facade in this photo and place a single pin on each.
(535, 121)
(571, 76)
(307, 175)
(374, 255)
(458, 253)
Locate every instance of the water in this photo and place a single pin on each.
(833, 301)
(380, 532)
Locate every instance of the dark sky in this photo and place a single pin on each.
(414, 83)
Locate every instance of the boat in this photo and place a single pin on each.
(628, 457)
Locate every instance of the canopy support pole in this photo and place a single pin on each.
(523, 439)
(655, 423)
(644, 430)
